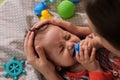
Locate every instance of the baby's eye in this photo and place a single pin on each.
(67, 37)
(62, 49)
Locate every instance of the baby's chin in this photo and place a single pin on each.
(72, 64)
(77, 68)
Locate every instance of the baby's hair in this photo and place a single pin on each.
(39, 29)
(105, 16)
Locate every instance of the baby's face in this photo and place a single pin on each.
(59, 46)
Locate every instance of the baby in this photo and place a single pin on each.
(59, 45)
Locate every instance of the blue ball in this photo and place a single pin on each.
(39, 7)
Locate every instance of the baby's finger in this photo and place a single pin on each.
(86, 53)
(82, 42)
(93, 54)
(81, 53)
(85, 44)
(77, 56)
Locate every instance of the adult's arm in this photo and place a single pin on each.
(77, 30)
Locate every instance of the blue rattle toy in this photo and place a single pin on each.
(77, 47)
(14, 68)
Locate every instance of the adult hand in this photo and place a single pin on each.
(65, 25)
(41, 23)
(40, 63)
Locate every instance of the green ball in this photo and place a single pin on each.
(66, 9)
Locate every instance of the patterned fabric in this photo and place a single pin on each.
(115, 61)
(77, 76)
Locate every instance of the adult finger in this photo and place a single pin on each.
(41, 23)
(30, 49)
(62, 23)
(26, 41)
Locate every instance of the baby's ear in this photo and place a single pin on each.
(58, 68)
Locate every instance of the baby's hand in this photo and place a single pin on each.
(87, 58)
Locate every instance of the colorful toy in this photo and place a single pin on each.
(75, 1)
(77, 47)
(66, 9)
(51, 1)
(39, 7)
(1, 1)
(45, 15)
(14, 68)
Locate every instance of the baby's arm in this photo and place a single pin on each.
(87, 58)
(87, 53)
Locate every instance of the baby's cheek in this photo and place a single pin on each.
(67, 61)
